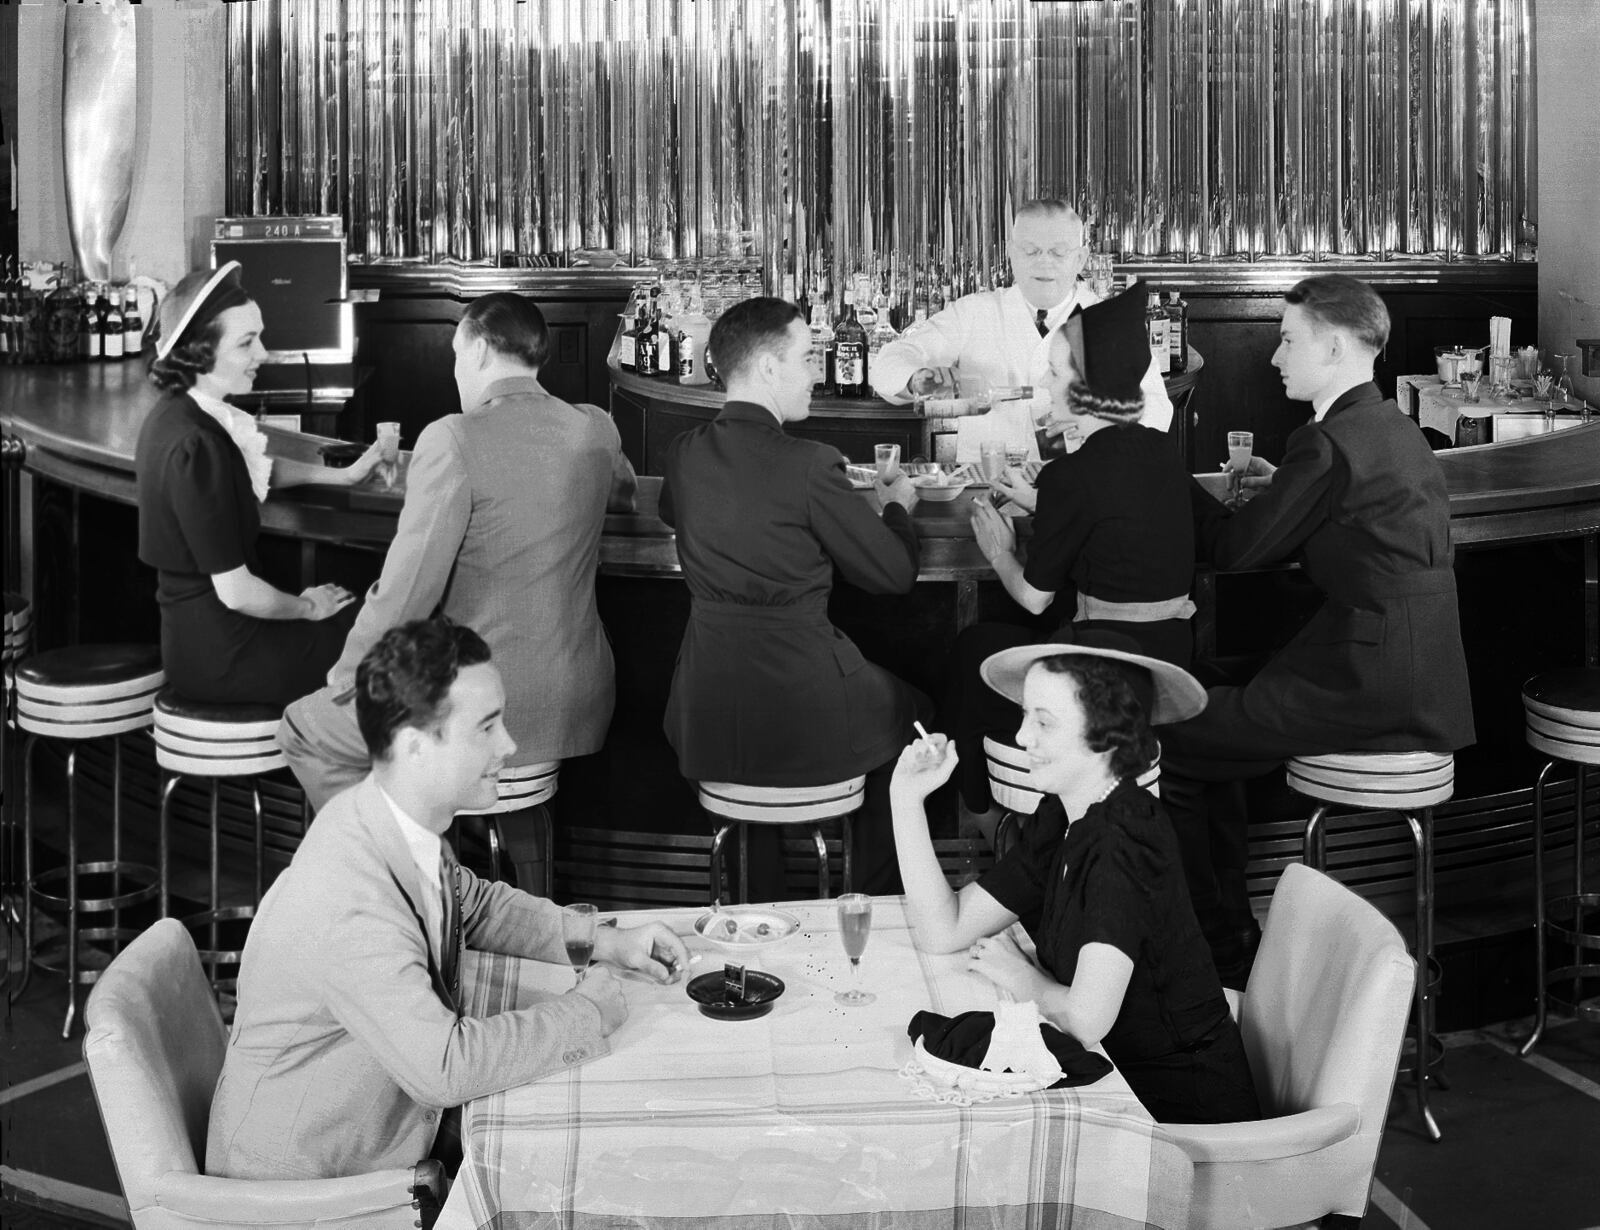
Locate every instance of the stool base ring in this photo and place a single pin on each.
(1586, 1009)
(95, 905)
(226, 914)
(45, 958)
(1571, 904)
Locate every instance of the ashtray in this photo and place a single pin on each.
(710, 991)
(740, 928)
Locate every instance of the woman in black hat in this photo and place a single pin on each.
(1113, 529)
(227, 635)
(1096, 880)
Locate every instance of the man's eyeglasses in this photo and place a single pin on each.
(1028, 252)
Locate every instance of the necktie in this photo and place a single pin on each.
(1038, 321)
(450, 955)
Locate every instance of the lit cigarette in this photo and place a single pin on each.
(921, 731)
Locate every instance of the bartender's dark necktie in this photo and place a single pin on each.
(450, 957)
(1038, 321)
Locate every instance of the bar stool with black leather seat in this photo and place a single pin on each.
(1011, 786)
(1562, 713)
(75, 695)
(215, 742)
(528, 787)
(729, 804)
(1412, 784)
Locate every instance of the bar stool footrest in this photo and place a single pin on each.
(201, 922)
(1587, 1008)
(96, 905)
(45, 952)
(1570, 905)
(1408, 1056)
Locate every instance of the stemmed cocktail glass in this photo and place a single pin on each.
(1240, 445)
(577, 931)
(855, 925)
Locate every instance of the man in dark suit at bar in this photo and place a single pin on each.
(767, 692)
(1360, 501)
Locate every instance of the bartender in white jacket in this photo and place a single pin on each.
(995, 338)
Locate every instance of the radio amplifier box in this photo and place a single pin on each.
(294, 268)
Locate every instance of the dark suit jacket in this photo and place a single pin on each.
(1360, 501)
(767, 692)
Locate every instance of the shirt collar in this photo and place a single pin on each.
(216, 407)
(506, 388)
(1080, 297)
(425, 846)
(750, 412)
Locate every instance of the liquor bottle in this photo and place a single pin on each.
(110, 324)
(1178, 331)
(866, 314)
(666, 350)
(88, 325)
(645, 356)
(1155, 320)
(822, 348)
(132, 325)
(940, 296)
(8, 314)
(628, 339)
(696, 332)
(919, 301)
(850, 351)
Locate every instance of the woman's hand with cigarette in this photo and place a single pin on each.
(924, 766)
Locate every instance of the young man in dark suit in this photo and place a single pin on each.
(767, 692)
(1360, 501)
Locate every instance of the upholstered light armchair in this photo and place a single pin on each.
(154, 1047)
(1324, 1016)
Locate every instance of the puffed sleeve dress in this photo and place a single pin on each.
(198, 517)
(1114, 877)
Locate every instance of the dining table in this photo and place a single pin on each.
(813, 1115)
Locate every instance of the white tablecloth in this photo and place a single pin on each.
(799, 1118)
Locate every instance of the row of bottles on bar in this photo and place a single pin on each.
(667, 323)
(48, 316)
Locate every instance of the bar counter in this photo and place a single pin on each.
(1525, 515)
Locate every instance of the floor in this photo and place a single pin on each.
(1521, 1141)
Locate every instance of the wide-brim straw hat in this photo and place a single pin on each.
(1176, 695)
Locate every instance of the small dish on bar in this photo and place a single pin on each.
(743, 927)
(939, 488)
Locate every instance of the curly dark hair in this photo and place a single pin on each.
(405, 678)
(178, 371)
(1115, 716)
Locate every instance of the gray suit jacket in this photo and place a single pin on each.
(504, 509)
(346, 1044)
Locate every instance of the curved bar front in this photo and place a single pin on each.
(1525, 516)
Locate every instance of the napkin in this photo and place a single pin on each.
(966, 1039)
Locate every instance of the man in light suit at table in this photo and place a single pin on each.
(504, 508)
(996, 338)
(350, 1043)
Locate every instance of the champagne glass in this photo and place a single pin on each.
(855, 924)
(389, 467)
(1563, 392)
(1240, 446)
(577, 931)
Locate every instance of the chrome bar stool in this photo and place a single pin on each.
(74, 695)
(1011, 786)
(729, 804)
(524, 788)
(214, 741)
(18, 626)
(1562, 711)
(1413, 784)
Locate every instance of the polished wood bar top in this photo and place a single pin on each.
(80, 423)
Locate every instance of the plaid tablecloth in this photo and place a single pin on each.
(799, 1118)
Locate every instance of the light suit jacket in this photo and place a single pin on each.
(505, 505)
(991, 339)
(347, 1043)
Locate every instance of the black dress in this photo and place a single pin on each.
(1114, 877)
(198, 517)
(1114, 522)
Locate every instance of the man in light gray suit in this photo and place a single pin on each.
(349, 1043)
(504, 507)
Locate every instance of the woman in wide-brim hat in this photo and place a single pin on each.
(1096, 879)
(1113, 528)
(227, 634)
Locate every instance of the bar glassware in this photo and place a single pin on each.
(992, 460)
(577, 932)
(855, 925)
(389, 443)
(887, 458)
(1240, 445)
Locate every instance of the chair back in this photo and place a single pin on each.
(1326, 1007)
(154, 1045)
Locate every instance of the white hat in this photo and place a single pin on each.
(179, 308)
(1177, 694)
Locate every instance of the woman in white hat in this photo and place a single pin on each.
(1096, 880)
(227, 634)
